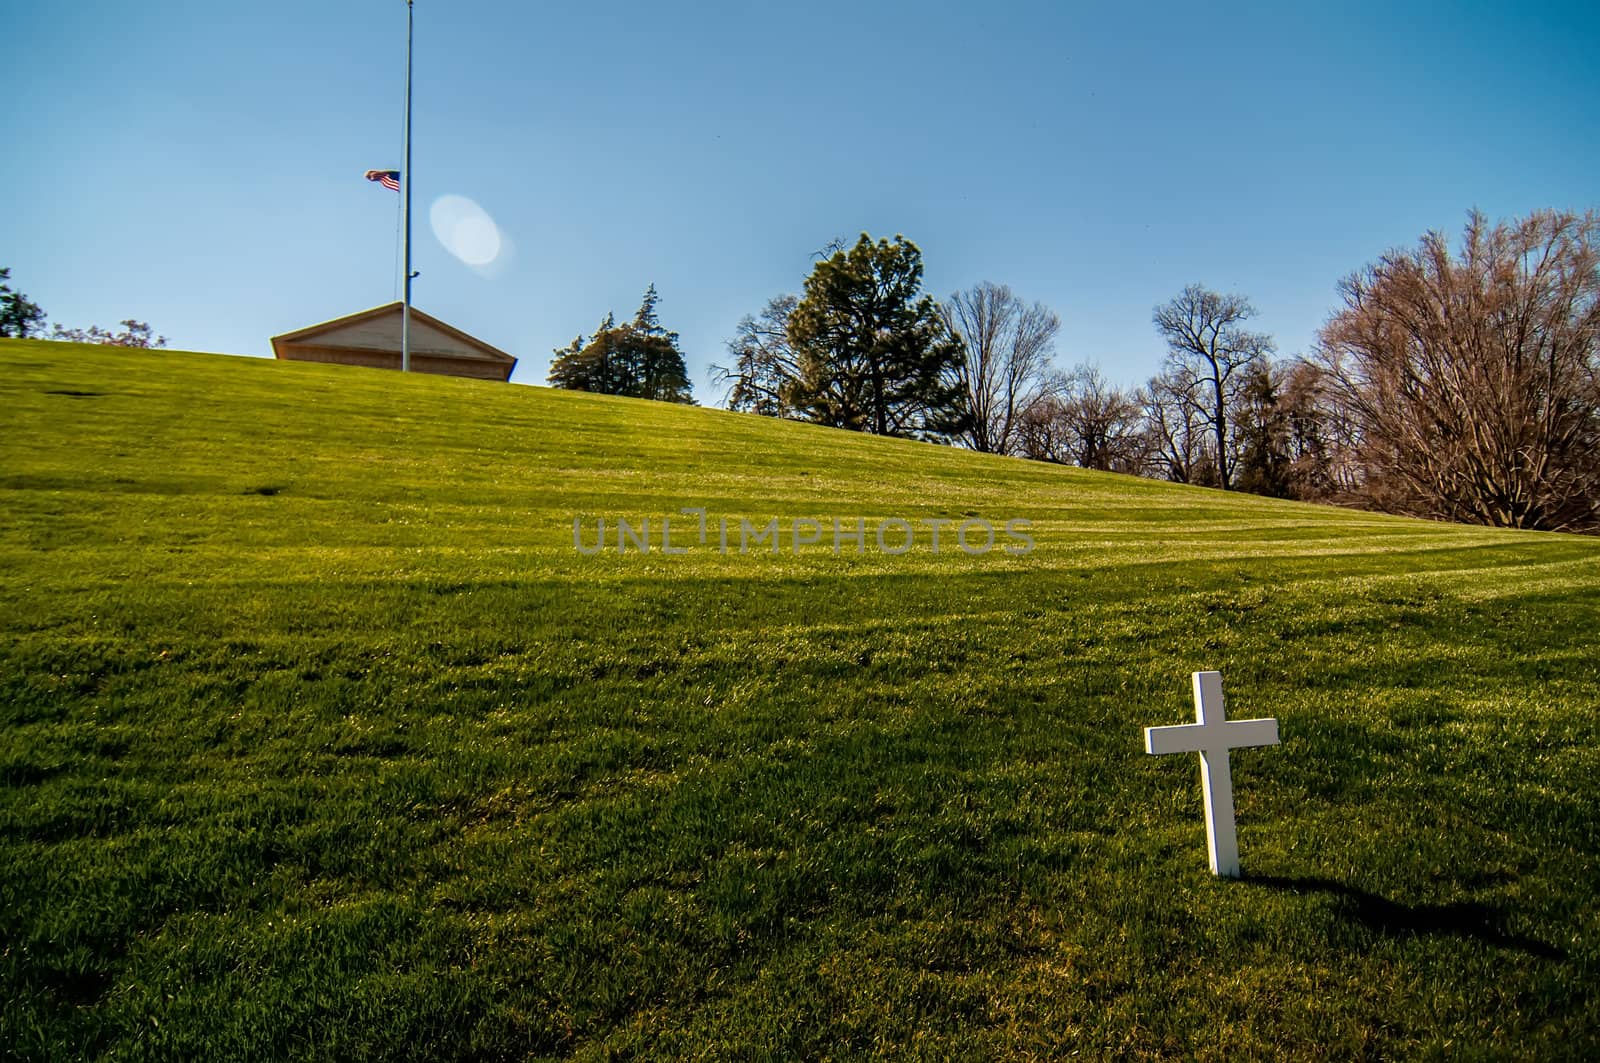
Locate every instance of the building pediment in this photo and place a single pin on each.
(372, 338)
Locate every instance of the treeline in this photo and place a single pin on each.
(21, 318)
(1460, 386)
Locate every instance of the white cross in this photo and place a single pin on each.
(1212, 737)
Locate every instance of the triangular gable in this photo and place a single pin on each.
(378, 329)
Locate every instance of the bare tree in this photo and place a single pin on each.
(1008, 346)
(1322, 451)
(1473, 382)
(763, 369)
(1082, 419)
(1176, 427)
(1206, 341)
(1103, 421)
(133, 334)
(1042, 432)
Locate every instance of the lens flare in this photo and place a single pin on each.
(467, 232)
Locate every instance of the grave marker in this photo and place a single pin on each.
(1212, 736)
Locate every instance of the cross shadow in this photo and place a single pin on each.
(1469, 919)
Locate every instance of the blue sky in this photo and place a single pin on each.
(199, 165)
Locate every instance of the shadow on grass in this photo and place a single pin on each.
(1468, 919)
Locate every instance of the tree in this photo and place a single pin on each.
(1043, 433)
(592, 365)
(640, 359)
(1176, 429)
(1321, 461)
(133, 334)
(1083, 419)
(1262, 425)
(1006, 346)
(1105, 423)
(764, 371)
(1472, 382)
(1207, 345)
(872, 353)
(654, 356)
(20, 317)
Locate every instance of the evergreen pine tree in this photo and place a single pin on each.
(661, 373)
(645, 320)
(1264, 460)
(873, 353)
(569, 369)
(19, 316)
(639, 359)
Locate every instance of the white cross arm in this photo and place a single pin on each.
(1194, 737)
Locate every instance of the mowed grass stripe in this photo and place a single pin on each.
(319, 740)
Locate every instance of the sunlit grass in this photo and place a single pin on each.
(318, 739)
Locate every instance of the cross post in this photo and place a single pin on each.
(1212, 735)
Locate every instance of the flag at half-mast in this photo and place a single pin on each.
(389, 179)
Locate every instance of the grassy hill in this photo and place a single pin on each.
(319, 739)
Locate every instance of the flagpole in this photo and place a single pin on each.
(405, 177)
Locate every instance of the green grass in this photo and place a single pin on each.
(318, 740)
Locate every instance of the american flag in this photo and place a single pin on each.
(389, 179)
